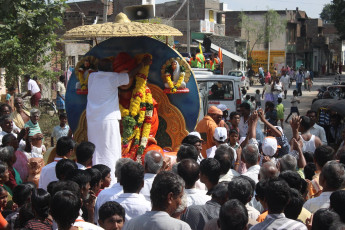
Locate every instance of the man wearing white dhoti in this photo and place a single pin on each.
(103, 113)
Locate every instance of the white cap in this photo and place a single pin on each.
(194, 133)
(280, 129)
(220, 134)
(269, 146)
(222, 107)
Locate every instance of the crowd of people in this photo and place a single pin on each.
(228, 173)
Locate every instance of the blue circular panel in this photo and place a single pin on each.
(187, 103)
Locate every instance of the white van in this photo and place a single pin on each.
(218, 89)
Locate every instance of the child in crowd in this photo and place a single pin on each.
(61, 130)
(294, 108)
(10, 97)
(270, 113)
(235, 121)
(4, 177)
(233, 139)
(40, 200)
(280, 112)
(111, 216)
(257, 99)
(105, 171)
(96, 180)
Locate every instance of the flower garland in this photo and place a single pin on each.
(136, 121)
(83, 82)
(173, 88)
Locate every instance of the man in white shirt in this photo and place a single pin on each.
(33, 91)
(114, 191)
(285, 80)
(243, 125)
(250, 156)
(315, 128)
(132, 181)
(103, 113)
(189, 170)
(153, 164)
(64, 149)
(166, 195)
(225, 155)
(331, 179)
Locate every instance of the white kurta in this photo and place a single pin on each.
(103, 114)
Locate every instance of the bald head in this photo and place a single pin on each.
(153, 162)
(268, 170)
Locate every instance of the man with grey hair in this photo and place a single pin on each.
(251, 158)
(153, 164)
(268, 170)
(114, 191)
(287, 162)
(332, 178)
(32, 124)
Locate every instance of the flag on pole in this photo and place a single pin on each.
(220, 54)
(200, 48)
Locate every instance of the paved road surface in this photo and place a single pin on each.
(306, 99)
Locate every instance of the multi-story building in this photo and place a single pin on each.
(305, 42)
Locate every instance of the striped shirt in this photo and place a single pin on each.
(279, 221)
(34, 128)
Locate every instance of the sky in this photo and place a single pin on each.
(312, 7)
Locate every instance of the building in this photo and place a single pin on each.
(306, 42)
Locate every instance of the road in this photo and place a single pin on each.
(306, 99)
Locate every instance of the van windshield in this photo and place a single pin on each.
(218, 90)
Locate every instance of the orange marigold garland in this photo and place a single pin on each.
(136, 121)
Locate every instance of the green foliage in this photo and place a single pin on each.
(326, 14)
(262, 31)
(27, 37)
(338, 16)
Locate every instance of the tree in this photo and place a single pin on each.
(338, 16)
(261, 32)
(27, 37)
(326, 14)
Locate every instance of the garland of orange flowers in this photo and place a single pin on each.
(136, 121)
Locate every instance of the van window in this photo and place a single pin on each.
(236, 74)
(220, 90)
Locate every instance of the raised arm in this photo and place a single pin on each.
(301, 162)
(295, 122)
(275, 131)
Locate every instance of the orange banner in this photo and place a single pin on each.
(277, 60)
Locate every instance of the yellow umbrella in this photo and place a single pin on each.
(122, 27)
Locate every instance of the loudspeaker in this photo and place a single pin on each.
(139, 12)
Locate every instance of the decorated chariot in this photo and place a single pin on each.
(159, 108)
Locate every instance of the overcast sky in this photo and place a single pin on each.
(312, 7)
